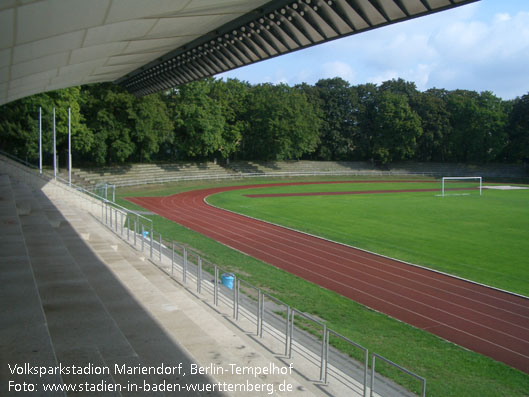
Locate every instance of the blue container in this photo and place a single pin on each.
(227, 280)
(145, 234)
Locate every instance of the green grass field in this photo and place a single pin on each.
(481, 238)
(449, 369)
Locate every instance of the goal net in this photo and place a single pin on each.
(461, 185)
(105, 191)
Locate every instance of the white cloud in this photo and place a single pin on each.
(421, 75)
(384, 76)
(338, 69)
(453, 49)
(485, 56)
(502, 17)
(481, 46)
(281, 80)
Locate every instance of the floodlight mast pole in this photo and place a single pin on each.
(69, 148)
(54, 149)
(40, 140)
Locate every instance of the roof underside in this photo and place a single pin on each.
(147, 46)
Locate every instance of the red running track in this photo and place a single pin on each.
(482, 319)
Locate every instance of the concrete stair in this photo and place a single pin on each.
(159, 173)
(300, 167)
(150, 173)
(24, 334)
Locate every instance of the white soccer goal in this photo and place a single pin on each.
(461, 185)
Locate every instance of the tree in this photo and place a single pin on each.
(403, 87)
(282, 124)
(109, 113)
(231, 97)
(330, 120)
(83, 139)
(492, 123)
(152, 126)
(518, 131)
(199, 123)
(478, 126)
(435, 123)
(339, 106)
(19, 129)
(367, 107)
(396, 129)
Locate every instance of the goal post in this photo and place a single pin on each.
(461, 185)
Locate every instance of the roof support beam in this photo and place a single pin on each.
(278, 27)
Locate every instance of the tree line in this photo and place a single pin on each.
(330, 120)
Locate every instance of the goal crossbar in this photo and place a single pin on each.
(457, 178)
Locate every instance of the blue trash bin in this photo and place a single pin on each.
(227, 280)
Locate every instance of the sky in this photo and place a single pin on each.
(483, 46)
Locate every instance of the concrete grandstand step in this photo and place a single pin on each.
(163, 322)
(92, 336)
(82, 331)
(24, 336)
(76, 178)
(145, 173)
(149, 173)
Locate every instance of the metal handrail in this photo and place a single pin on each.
(406, 371)
(106, 201)
(78, 188)
(13, 157)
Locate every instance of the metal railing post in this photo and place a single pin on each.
(199, 275)
(260, 314)
(160, 246)
(184, 275)
(135, 232)
(366, 363)
(215, 287)
(326, 379)
(372, 374)
(128, 227)
(286, 330)
(291, 333)
(322, 361)
(116, 220)
(121, 223)
(152, 242)
(234, 296)
(172, 259)
(238, 287)
(142, 236)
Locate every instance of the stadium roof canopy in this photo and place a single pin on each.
(150, 45)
